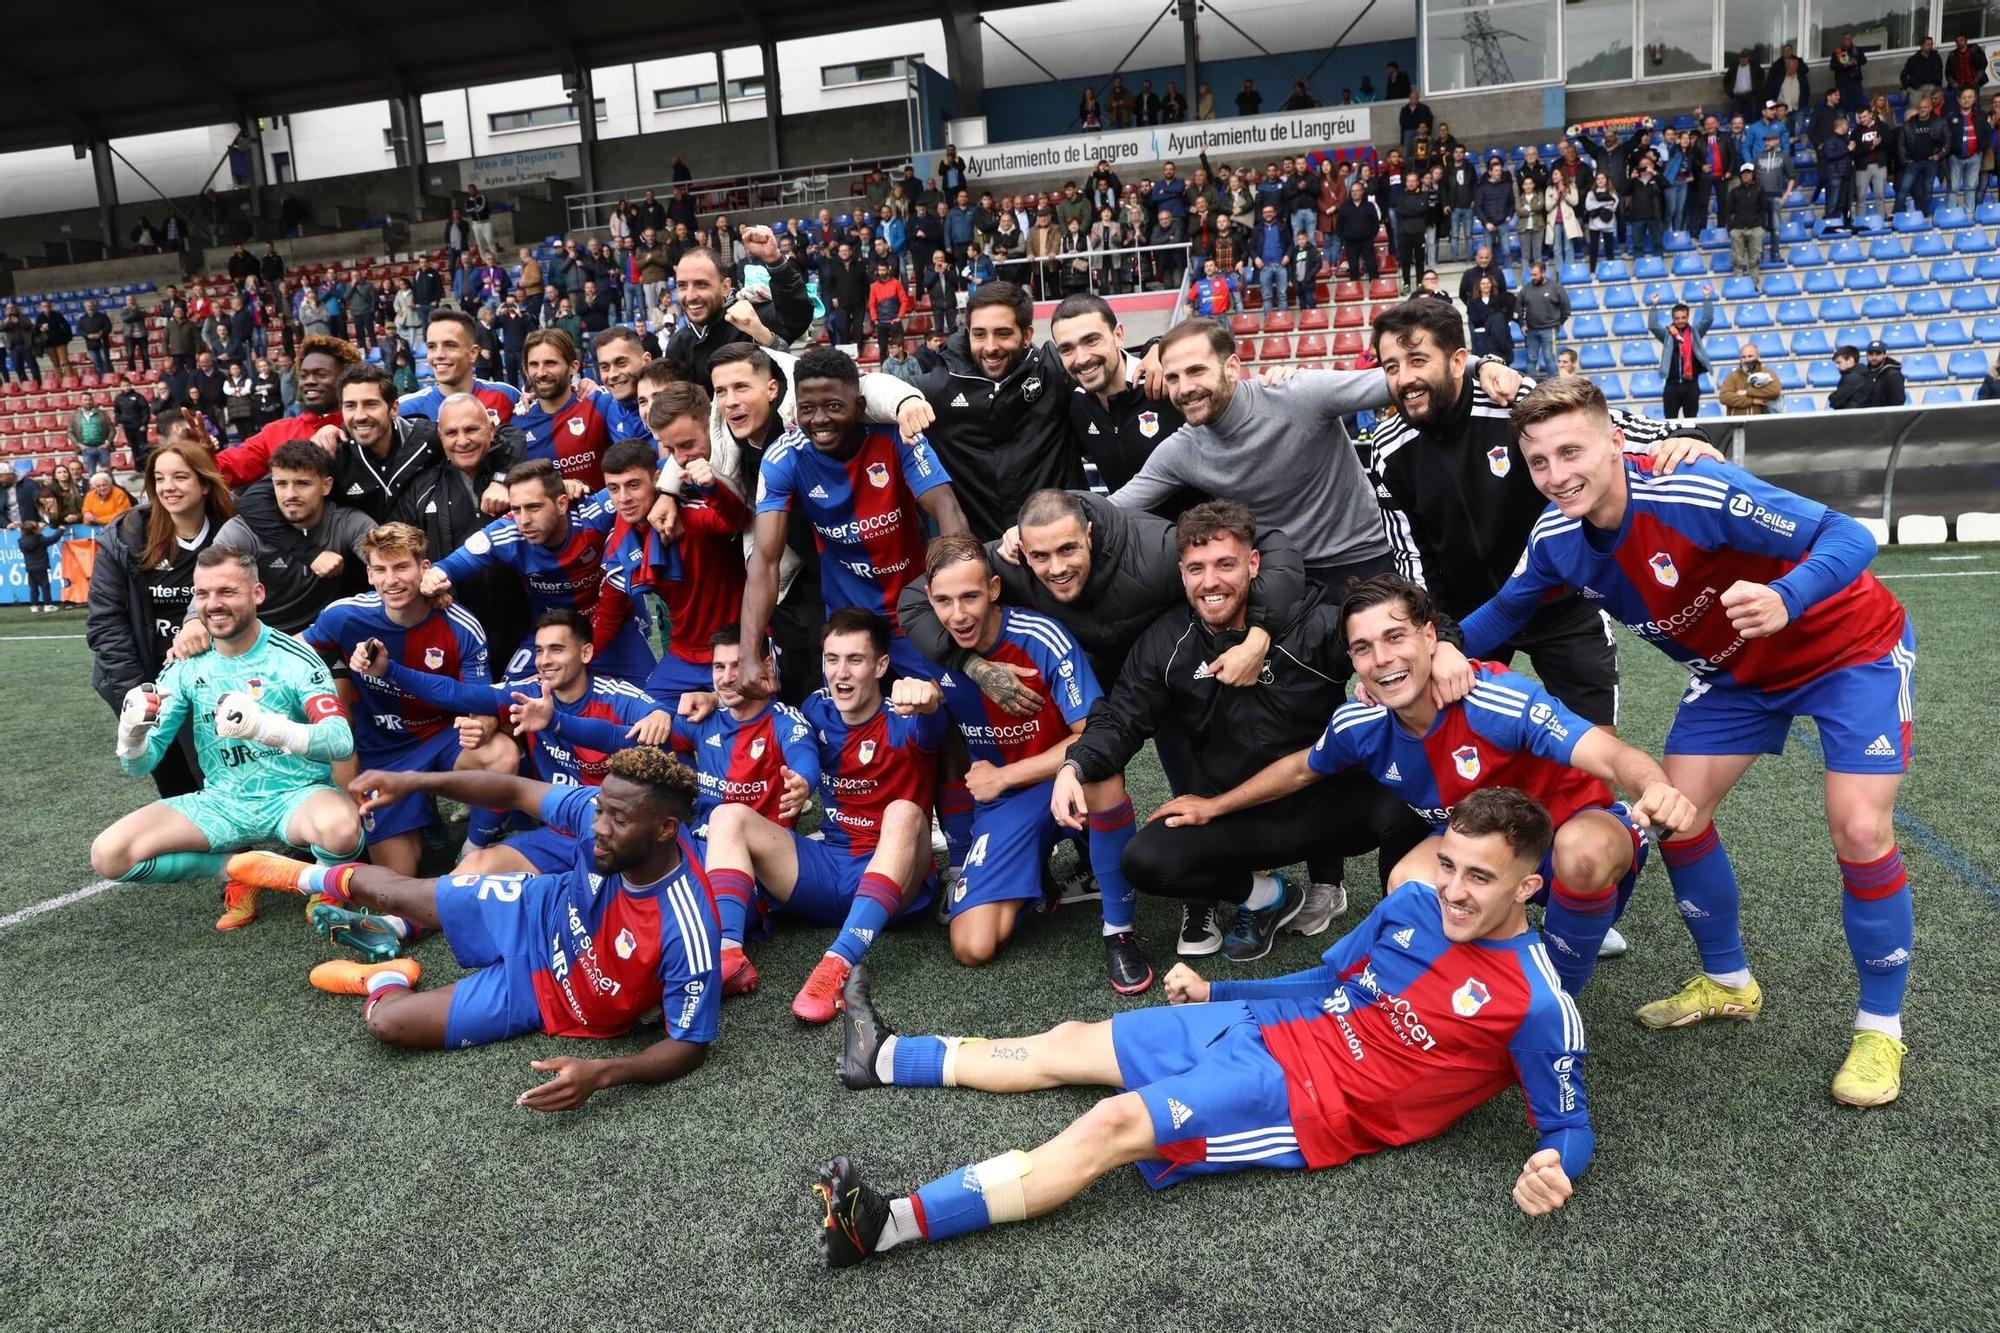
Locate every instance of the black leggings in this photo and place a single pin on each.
(1410, 249)
(1341, 816)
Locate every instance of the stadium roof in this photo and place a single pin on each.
(82, 69)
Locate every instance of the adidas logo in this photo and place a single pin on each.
(716, 741)
(1404, 936)
(1394, 774)
(355, 488)
(1201, 671)
(431, 508)
(1895, 958)
(817, 493)
(1689, 911)
(1879, 748)
(960, 401)
(945, 681)
(1179, 1112)
(864, 935)
(1561, 944)
(279, 562)
(1092, 430)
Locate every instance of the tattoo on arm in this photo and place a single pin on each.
(1000, 684)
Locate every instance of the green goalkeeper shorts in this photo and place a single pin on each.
(231, 824)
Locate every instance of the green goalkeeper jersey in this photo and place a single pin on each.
(284, 676)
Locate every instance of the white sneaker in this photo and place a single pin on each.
(1200, 936)
(1323, 903)
(1614, 945)
(939, 845)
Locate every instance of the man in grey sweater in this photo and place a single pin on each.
(1544, 311)
(1279, 448)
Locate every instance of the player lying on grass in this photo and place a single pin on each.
(267, 729)
(625, 930)
(1439, 1000)
(877, 769)
(1508, 732)
(1765, 597)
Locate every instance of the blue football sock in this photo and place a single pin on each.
(483, 826)
(1881, 929)
(952, 1205)
(732, 889)
(1574, 923)
(1110, 832)
(1705, 891)
(918, 1062)
(874, 903)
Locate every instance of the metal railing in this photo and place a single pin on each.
(816, 185)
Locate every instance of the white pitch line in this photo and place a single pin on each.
(58, 903)
(1947, 574)
(35, 638)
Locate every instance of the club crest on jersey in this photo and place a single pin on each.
(1499, 460)
(433, 658)
(255, 685)
(1466, 760)
(878, 475)
(577, 425)
(627, 942)
(865, 752)
(1031, 388)
(1663, 569)
(1149, 424)
(1470, 998)
(757, 748)
(479, 543)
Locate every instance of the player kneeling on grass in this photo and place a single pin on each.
(267, 729)
(877, 767)
(1438, 1001)
(626, 930)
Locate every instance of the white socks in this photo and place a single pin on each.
(1889, 1026)
(1265, 890)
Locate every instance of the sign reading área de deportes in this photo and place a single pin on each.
(1279, 135)
(498, 171)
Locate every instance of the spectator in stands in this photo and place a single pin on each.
(287, 372)
(1267, 257)
(926, 229)
(239, 403)
(18, 332)
(1989, 388)
(62, 487)
(1173, 105)
(1531, 205)
(89, 433)
(1789, 85)
(1168, 266)
(843, 288)
(1564, 206)
(271, 265)
(426, 290)
(1682, 360)
(1146, 105)
(1461, 185)
(52, 330)
(1885, 373)
(11, 507)
(1204, 103)
(942, 286)
(239, 330)
(36, 542)
(680, 205)
(1868, 145)
(889, 302)
(267, 395)
(1646, 209)
(1544, 307)
(1600, 211)
(1395, 83)
(1742, 83)
(1168, 193)
(94, 327)
(1301, 98)
(1366, 93)
(144, 239)
(132, 320)
(1923, 143)
(1749, 390)
(1487, 315)
(362, 302)
(1970, 137)
(1118, 104)
(1303, 264)
(1493, 207)
(1412, 211)
(313, 319)
(105, 502)
(1770, 126)
(1744, 215)
(1836, 176)
(1965, 65)
(479, 214)
(1856, 387)
(1412, 117)
(1249, 102)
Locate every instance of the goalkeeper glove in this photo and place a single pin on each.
(136, 716)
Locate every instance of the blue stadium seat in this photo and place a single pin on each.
(1973, 241)
(1822, 374)
(1845, 253)
(1790, 375)
(1596, 356)
(1649, 266)
(1986, 268)
(1822, 281)
(1791, 230)
(1944, 393)
(1714, 238)
(1946, 333)
(1853, 335)
(1950, 218)
(1870, 223)
(1770, 345)
(1909, 221)
(1804, 256)
(1880, 305)
(1986, 330)
(1587, 326)
(1620, 297)
(1930, 245)
(1923, 304)
(1887, 248)
(1646, 384)
(1906, 275)
(1966, 364)
(1794, 313)
(1739, 288)
(1655, 292)
(1865, 278)
(1614, 270)
(1754, 315)
(1987, 214)
(1949, 271)
(1971, 300)
(1923, 368)
(1689, 265)
(1652, 411)
(1640, 354)
(1574, 275)
(1811, 342)
(1901, 337)
(1613, 387)
(1706, 383)
(1780, 285)
(1582, 300)
(1710, 408)
(1629, 324)
(1678, 243)
(1719, 347)
(1721, 265)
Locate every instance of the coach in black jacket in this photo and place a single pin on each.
(707, 297)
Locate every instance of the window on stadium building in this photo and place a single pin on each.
(1491, 43)
(864, 71)
(538, 118)
(1597, 41)
(1877, 25)
(1975, 18)
(433, 133)
(1758, 26)
(1676, 37)
(703, 94)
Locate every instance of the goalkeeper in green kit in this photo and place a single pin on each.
(268, 727)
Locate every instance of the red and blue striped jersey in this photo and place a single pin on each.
(498, 398)
(866, 766)
(698, 575)
(573, 437)
(448, 643)
(863, 510)
(743, 762)
(617, 951)
(1401, 1032)
(1508, 732)
(554, 757)
(1685, 540)
(1063, 678)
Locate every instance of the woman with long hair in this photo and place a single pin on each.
(144, 579)
(63, 487)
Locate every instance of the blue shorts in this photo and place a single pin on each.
(1641, 852)
(1011, 841)
(407, 814)
(548, 851)
(675, 676)
(493, 923)
(1217, 1098)
(1863, 712)
(829, 877)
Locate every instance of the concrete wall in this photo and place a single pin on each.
(160, 270)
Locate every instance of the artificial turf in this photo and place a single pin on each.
(196, 1139)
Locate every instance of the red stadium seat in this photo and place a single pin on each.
(1312, 344)
(1278, 321)
(1243, 326)
(1384, 289)
(1312, 319)
(1349, 317)
(1275, 349)
(1347, 343)
(1348, 291)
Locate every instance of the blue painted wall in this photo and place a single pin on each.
(1040, 110)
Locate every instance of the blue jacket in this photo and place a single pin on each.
(1170, 195)
(958, 227)
(1700, 320)
(1756, 134)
